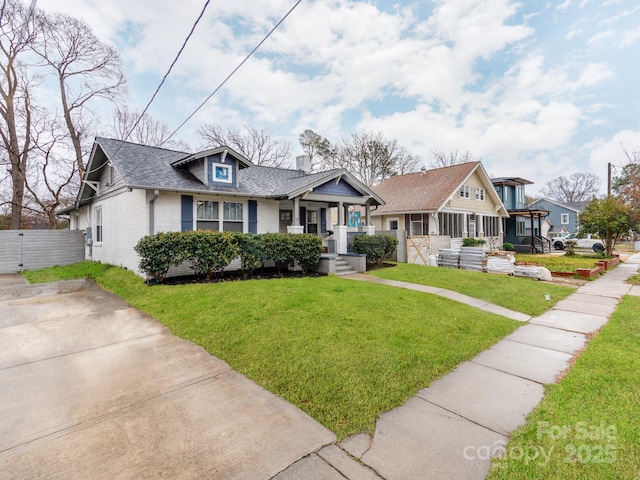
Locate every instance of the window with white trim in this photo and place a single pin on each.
(98, 224)
(465, 191)
(419, 224)
(480, 194)
(222, 173)
(393, 224)
(232, 217)
(564, 218)
(207, 216)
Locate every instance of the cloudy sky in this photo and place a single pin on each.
(533, 88)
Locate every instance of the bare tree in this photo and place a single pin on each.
(372, 158)
(52, 173)
(577, 188)
(85, 68)
(145, 130)
(17, 33)
(627, 184)
(441, 158)
(258, 146)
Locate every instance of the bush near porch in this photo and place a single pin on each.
(209, 252)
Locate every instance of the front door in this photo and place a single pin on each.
(285, 220)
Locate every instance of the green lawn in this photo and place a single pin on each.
(587, 425)
(560, 263)
(520, 294)
(342, 351)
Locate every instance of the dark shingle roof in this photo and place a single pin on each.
(142, 166)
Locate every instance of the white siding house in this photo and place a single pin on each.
(133, 190)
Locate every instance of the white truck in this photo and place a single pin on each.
(594, 244)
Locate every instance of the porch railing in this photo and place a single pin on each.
(350, 237)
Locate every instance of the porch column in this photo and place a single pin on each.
(465, 225)
(533, 243)
(340, 236)
(295, 226)
(367, 215)
(479, 226)
(346, 215)
(340, 214)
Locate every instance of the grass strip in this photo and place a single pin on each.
(520, 294)
(587, 425)
(342, 351)
(560, 263)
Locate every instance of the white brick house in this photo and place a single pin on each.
(133, 190)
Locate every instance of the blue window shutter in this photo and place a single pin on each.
(253, 216)
(187, 212)
(303, 218)
(323, 220)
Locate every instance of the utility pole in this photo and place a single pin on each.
(609, 179)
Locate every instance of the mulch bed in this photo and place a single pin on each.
(237, 276)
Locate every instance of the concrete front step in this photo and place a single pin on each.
(343, 268)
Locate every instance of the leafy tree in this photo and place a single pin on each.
(441, 158)
(323, 155)
(627, 184)
(578, 187)
(257, 145)
(609, 218)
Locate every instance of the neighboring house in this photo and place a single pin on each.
(564, 217)
(447, 204)
(522, 220)
(133, 190)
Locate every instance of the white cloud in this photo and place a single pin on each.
(610, 150)
(629, 37)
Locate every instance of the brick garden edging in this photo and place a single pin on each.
(600, 266)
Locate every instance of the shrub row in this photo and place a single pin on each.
(473, 242)
(208, 252)
(377, 248)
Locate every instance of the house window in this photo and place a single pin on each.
(521, 228)
(207, 215)
(564, 218)
(451, 224)
(98, 224)
(232, 217)
(480, 194)
(312, 221)
(222, 173)
(491, 226)
(465, 191)
(393, 224)
(419, 224)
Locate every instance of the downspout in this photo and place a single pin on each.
(156, 194)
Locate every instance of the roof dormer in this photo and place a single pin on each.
(216, 167)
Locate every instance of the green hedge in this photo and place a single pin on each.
(377, 248)
(210, 252)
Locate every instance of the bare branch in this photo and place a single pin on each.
(257, 145)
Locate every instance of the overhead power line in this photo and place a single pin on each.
(217, 89)
(164, 78)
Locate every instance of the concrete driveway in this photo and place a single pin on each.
(92, 388)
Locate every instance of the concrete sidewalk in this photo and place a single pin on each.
(450, 429)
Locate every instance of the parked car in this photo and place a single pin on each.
(594, 244)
